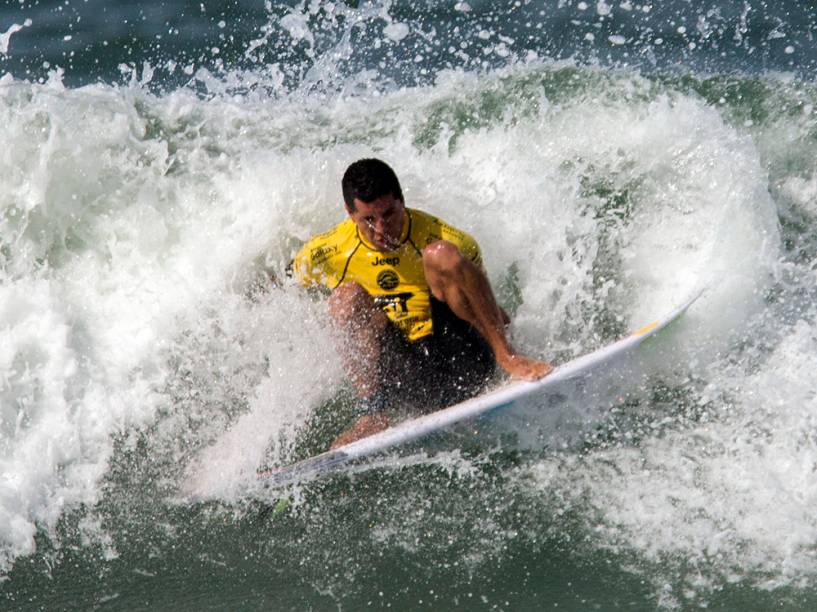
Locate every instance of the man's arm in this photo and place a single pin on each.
(457, 281)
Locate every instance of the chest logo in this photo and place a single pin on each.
(391, 261)
(322, 253)
(387, 280)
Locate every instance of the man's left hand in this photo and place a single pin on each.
(365, 426)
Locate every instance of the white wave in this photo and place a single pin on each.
(132, 225)
(732, 496)
(5, 37)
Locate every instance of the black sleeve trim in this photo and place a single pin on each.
(348, 261)
(419, 252)
(408, 235)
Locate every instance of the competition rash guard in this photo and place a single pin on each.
(395, 279)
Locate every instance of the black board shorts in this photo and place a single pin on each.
(451, 365)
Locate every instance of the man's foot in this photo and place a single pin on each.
(524, 368)
(364, 427)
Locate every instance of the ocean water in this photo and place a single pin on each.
(611, 157)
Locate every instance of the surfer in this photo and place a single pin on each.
(410, 302)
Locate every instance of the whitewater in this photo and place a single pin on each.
(144, 346)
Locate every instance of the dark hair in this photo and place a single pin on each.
(367, 180)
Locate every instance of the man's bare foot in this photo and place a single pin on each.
(525, 368)
(365, 426)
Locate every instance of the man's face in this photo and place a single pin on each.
(380, 221)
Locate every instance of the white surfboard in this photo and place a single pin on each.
(502, 399)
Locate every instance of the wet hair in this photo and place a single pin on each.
(367, 180)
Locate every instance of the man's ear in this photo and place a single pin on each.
(348, 208)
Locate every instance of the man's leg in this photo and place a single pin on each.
(455, 280)
(360, 327)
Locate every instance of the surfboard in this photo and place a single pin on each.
(504, 398)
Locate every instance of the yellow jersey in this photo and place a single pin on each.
(395, 279)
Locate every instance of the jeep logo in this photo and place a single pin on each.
(386, 261)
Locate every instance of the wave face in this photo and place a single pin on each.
(610, 158)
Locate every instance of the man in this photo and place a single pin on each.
(418, 321)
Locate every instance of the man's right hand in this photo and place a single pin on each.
(525, 368)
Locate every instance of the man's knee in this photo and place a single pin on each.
(350, 295)
(347, 293)
(443, 256)
(444, 264)
(350, 303)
